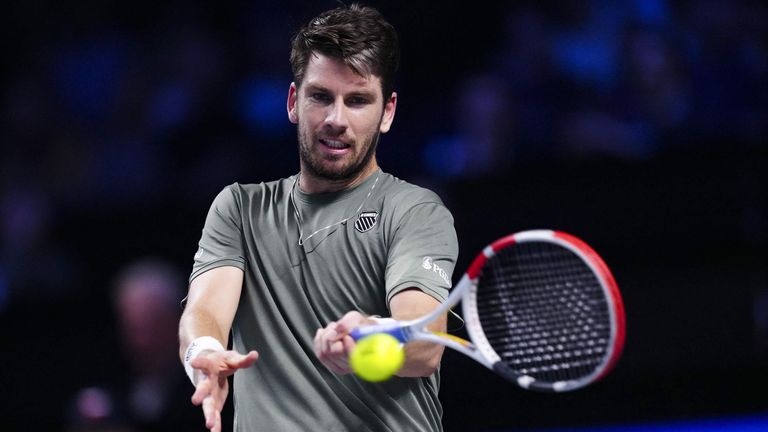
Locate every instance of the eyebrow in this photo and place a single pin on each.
(364, 93)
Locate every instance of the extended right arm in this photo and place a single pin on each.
(211, 306)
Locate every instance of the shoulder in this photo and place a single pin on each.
(236, 197)
(405, 195)
(404, 202)
(249, 192)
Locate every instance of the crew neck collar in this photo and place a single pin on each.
(330, 197)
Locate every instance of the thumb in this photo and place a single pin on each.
(348, 322)
(342, 329)
(242, 360)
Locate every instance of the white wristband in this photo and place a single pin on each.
(203, 343)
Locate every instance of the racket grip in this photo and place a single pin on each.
(394, 329)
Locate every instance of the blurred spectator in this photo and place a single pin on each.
(728, 53)
(153, 392)
(483, 123)
(647, 108)
(28, 246)
(526, 65)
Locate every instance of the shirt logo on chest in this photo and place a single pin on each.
(365, 221)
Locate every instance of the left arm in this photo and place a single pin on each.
(421, 358)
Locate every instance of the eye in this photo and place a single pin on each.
(320, 97)
(358, 100)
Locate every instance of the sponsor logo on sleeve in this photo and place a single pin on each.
(428, 264)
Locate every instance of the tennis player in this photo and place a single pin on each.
(291, 266)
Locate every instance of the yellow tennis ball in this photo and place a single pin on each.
(377, 357)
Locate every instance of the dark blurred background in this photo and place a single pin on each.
(639, 126)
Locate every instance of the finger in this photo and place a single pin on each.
(349, 321)
(210, 412)
(323, 339)
(330, 339)
(336, 349)
(334, 337)
(202, 390)
(328, 352)
(342, 330)
(340, 355)
(336, 358)
(332, 332)
(349, 345)
(218, 426)
(242, 361)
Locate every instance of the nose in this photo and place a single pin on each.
(336, 118)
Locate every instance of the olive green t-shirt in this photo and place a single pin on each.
(394, 236)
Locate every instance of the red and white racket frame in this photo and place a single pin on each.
(607, 283)
(479, 348)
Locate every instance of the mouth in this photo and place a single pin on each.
(334, 145)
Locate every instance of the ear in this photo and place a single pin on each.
(291, 104)
(389, 113)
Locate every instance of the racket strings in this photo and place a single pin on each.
(543, 311)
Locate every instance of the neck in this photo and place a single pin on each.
(308, 183)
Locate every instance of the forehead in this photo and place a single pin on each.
(332, 74)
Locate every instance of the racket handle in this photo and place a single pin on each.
(393, 329)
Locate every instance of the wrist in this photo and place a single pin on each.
(195, 348)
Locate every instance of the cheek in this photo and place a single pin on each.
(305, 129)
(367, 124)
(309, 118)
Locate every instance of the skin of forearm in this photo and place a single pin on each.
(423, 358)
(197, 322)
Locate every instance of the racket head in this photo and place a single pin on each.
(545, 311)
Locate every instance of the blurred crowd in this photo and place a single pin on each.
(114, 105)
(116, 112)
(616, 79)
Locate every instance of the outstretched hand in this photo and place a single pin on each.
(212, 369)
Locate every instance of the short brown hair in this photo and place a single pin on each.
(357, 35)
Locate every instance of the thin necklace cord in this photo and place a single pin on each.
(299, 222)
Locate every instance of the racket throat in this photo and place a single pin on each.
(402, 333)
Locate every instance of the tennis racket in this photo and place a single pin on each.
(541, 308)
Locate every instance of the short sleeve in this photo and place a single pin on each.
(221, 243)
(423, 251)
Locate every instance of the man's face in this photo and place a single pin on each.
(340, 115)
